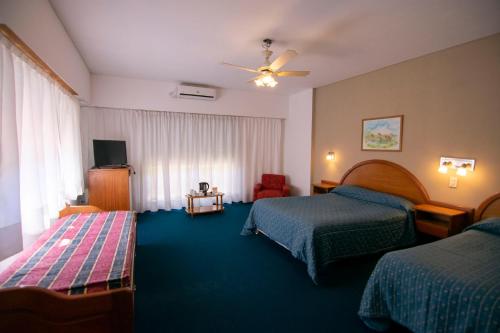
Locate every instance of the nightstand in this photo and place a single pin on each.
(439, 221)
(324, 187)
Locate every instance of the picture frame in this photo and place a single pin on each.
(382, 134)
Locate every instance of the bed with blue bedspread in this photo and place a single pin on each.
(452, 285)
(349, 221)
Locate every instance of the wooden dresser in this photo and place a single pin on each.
(110, 189)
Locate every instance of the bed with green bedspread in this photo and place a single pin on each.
(349, 221)
(451, 285)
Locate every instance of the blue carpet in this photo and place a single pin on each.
(199, 275)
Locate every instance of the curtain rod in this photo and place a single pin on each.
(89, 106)
(28, 52)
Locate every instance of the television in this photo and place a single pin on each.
(110, 153)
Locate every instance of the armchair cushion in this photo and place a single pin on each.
(270, 187)
(274, 182)
(269, 194)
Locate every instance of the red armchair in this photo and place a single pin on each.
(271, 186)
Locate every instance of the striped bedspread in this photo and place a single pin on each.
(80, 253)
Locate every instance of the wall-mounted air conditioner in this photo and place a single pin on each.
(192, 92)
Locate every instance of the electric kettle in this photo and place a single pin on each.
(204, 187)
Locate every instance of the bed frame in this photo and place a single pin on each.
(489, 208)
(388, 177)
(33, 309)
(392, 178)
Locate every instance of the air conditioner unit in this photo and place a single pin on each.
(192, 92)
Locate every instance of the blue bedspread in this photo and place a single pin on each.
(452, 285)
(349, 221)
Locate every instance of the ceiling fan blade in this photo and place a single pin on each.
(282, 60)
(241, 67)
(293, 73)
(256, 78)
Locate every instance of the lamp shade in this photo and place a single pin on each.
(461, 171)
(443, 169)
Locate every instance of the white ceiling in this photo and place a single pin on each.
(186, 40)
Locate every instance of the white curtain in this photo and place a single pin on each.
(9, 163)
(41, 144)
(172, 152)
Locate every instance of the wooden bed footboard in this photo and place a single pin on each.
(33, 309)
(68, 210)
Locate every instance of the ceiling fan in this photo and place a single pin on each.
(270, 70)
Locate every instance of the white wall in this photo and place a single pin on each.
(36, 23)
(297, 142)
(118, 92)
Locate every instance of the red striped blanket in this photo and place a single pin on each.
(80, 253)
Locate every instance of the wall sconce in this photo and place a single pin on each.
(462, 170)
(330, 156)
(443, 168)
(462, 165)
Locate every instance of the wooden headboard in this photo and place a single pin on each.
(489, 208)
(388, 177)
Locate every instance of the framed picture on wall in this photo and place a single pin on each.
(382, 134)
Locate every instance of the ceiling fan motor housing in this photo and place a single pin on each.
(266, 43)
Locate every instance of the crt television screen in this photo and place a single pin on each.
(110, 153)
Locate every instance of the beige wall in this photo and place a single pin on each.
(451, 103)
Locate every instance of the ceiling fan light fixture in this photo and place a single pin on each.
(259, 83)
(266, 81)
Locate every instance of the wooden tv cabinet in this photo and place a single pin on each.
(110, 188)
